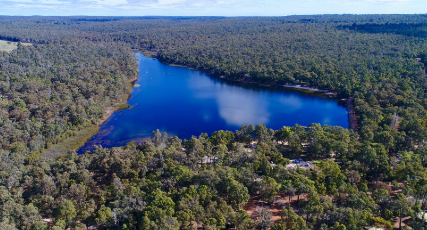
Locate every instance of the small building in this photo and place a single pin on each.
(300, 163)
(207, 160)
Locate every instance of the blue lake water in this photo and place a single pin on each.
(185, 102)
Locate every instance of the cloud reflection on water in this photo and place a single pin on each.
(187, 102)
(238, 108)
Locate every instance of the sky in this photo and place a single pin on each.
(209, 7)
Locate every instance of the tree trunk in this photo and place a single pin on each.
(317, 219)
(423, 200)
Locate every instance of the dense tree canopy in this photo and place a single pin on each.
(168, 186)
(77, 68)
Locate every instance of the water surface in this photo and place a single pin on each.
(185, 102)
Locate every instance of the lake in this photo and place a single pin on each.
(185, 102)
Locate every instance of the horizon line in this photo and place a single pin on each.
(212, 16)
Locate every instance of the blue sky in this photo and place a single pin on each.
(209, 7)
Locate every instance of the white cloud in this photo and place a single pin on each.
(388, 1)
(168, 2)
(35, 6)
(381, 2)
(22, 1)
(108, 3)
(210, 7)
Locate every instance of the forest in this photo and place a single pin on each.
(77, 68)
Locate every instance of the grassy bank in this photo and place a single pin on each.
(70, 144)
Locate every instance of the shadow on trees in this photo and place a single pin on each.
(407, 29)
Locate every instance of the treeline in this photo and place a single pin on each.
(79, 66)
(369, 57)
(207, 181)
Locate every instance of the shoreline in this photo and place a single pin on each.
(241, 81)
(89, 129)
(299, 87)
(112, 109)
(308, 88)
(109, 112)
(352, 121)
(303, 88)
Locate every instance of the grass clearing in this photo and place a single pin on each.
(9, 46)
(72, 143)
(122, 106)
